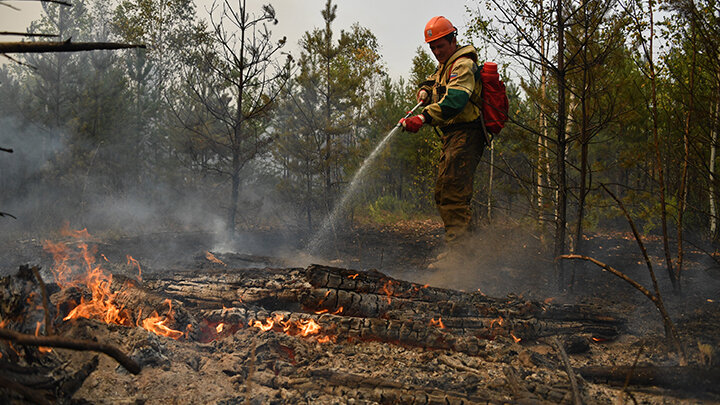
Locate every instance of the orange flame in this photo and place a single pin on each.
(76, 267)
(302, 327)
(354, 276)
(41, 349)
(211, 257)
(438, 323)
(133, 262)
(498, 320)
(309, 327)
(386, 290)
(325, 339)
(157, 324)
(220, 327)
(516, 339)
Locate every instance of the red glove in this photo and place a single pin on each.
(413, 123)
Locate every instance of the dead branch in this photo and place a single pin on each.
(66, 46)
(9, 6)
(18, 62)
(26, 392)
(28, 34)
(73, 344)
(6, 150)
(632, 370)
(670, 330)
(44, 293)
(636, 234)
(577, 399)
(64, 3)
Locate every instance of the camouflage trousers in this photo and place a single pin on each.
(461, 153)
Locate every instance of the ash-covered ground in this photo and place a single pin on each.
(248, 365)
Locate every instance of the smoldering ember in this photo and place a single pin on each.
(219, 202)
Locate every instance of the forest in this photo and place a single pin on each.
(281, 223)
(614, 112)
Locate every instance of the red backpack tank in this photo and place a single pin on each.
(494, 99)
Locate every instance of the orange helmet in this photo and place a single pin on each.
(437, 28)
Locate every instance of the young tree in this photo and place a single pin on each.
(237, 84)
(328, 105)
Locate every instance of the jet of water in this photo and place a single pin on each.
(329, 222)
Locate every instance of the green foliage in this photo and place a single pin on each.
(389, 209)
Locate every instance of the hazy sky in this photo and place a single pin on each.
(397, 24)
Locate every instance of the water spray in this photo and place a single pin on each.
(329, 222)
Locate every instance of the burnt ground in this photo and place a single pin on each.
(500, 261)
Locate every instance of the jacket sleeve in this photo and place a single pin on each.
(460, 86)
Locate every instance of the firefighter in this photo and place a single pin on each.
(447, 107)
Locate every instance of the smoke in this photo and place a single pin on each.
(45, 185)
(497, 261)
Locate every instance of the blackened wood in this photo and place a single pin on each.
(30, 394)
(392, 392)
(691, 379)
(73, 344)
(46, 308)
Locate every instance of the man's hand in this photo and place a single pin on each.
(413, 123)
(422, 96)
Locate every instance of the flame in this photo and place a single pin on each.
(438, 323)
(270, 322)
(77, 267)
(157, 324)
(598, 339)
(82, 234)
(211, 257)
(497, 320)
(324, 298)
(133, 262)
(322, 311)
(302, 327)
(516, 339)
(386, 289)
(324, 339)
(354, 276)
(339, 310)
(220, 327)
(309, 327)
(41, 349)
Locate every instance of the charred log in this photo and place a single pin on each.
(691, 379)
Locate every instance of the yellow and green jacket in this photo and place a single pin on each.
(451, 88)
